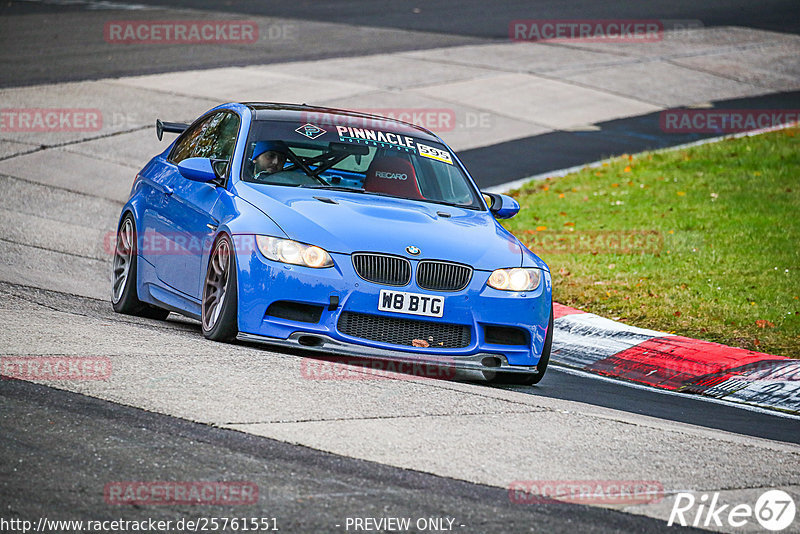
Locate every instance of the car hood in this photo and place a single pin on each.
(346, 222)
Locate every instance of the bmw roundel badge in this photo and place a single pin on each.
(414, 251)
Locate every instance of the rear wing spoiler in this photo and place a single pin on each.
(171, 127)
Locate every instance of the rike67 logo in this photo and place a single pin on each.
(774, 510)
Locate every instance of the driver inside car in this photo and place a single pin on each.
(269, 156)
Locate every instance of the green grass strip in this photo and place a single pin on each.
(701, 241)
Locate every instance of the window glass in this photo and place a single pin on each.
(382, 162)
(214, 137)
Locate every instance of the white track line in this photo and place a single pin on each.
(748, 407)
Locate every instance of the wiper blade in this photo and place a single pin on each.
(334, 188)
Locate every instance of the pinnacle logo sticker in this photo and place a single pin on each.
(434, 153)
(311, 131)
(375, 138)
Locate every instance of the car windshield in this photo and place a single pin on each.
(364, 160)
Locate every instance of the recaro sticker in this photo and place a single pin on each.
(434, 153)
(392, 175)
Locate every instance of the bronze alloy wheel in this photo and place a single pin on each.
(216, 285)
(123, 257)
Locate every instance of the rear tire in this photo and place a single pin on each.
(529, 379)
(220, 299)
(124, 297)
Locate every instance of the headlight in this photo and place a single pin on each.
(515, 279)
(288, 251)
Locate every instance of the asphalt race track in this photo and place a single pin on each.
(181, 408)
(308, 491)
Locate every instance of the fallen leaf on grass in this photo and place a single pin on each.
(677, 314)
(763, 323)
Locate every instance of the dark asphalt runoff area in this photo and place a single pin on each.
(479, 18)
(499, 164)
(58, 450)
(53, 41)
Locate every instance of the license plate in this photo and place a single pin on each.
(411, 303)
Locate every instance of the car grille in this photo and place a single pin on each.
(404, 331)
(383, 269)
(443, 276)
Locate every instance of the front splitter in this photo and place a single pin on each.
(482, 362)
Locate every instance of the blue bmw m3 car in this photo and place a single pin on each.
(334, 231)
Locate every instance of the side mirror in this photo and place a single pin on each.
(501, 206)
(197, 169)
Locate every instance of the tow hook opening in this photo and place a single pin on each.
(310, 341)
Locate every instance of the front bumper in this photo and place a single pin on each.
(262, 282)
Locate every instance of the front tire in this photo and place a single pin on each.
(220, 298)
(124, 297)
(524, 379)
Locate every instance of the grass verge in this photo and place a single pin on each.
(702, 242)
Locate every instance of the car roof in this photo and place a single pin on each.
(304, 113)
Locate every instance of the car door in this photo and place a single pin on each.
(191, 218)
(157, 234)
